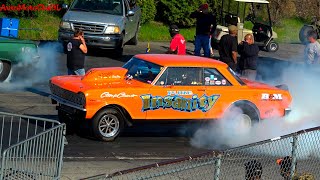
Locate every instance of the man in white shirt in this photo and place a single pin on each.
(312, 50)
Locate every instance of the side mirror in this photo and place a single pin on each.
(64, 6)
(130, 13)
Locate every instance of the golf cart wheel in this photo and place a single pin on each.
(5, 68)
(272, 46)
(107, 124)
(303, 34)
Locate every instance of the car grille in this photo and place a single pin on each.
(78, 99)
(89, 28)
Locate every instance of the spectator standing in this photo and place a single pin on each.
(248, 57)
(228, 48)
(178, 43)
(312, 50)
(76, 52)
(205, 21)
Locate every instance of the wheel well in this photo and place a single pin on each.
(247, 104)
(123, 111)
(6, 60)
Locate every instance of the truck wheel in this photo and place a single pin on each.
(5, 68)
(118, 52)
(304, 33)
(272, 46)
(107, 124)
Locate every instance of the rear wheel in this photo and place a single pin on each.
(108, 124)
(303, 34)
(5, 68)
(272, 46)
(245, 115)
(64, 118)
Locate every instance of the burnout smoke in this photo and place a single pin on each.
(28, 74)
(304, 85)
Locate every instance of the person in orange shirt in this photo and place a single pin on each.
(178, 43)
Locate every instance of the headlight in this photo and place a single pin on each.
(112, 30)
(26, 49)
(65, 25)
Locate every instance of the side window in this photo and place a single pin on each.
(212, 77)
(181, 76)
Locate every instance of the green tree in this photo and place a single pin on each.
(148, 8)
(178, 11)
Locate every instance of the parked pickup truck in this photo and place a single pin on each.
(14, 51)
(107, 24)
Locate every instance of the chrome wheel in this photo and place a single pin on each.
(245, 120)
(1, 67)
(108, 125)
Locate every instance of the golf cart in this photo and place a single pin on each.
(235, 12)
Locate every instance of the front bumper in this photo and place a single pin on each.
(111, 41)
(68, 107)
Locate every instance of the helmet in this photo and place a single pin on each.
(173, 29)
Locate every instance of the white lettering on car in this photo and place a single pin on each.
(180, 93)
(265, 96)
(120, 95)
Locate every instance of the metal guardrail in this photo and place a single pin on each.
(293, 156)
(30, 147)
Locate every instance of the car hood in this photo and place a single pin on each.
(92, 17)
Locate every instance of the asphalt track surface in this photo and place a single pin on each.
(155, 141)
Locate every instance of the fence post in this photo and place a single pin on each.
(294, 155)
(217, 167)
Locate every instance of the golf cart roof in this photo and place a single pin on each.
(253, 1)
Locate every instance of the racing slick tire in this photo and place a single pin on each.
(243, 112)
(5, 68)
(64, 118)
(107, 124)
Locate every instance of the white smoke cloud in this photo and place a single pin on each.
(304, 85)
(28, 73)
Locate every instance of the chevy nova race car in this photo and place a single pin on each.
(154, 87)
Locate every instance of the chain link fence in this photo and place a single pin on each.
(30, 147)
(293, 156)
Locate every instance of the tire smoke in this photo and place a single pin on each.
(29, 73)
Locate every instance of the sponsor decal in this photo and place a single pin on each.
(203, 103)
(224, 82)
(272, 97)
(211, 82)
(207, 79)
(120, 95)
(211, 76)
(180, 93)
(218, 82)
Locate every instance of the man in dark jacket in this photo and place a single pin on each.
(228, 47)
(203, 29)
(248, 57)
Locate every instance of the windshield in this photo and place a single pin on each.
(260, 13)
(236, 76)
(101, 6)
(141, 70)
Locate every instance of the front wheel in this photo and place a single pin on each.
(5, 68)
(107, 124)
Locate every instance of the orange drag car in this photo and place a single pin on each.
(156, 87)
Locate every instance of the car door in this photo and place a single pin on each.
(179, 94)
(218, 85)
(129, 20)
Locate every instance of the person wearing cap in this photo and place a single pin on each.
(205, 26)
(228, 48)
(178, 43)
(248, 57)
